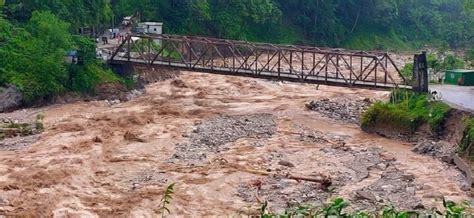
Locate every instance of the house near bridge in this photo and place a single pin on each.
(155, 28)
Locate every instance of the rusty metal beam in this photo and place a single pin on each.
(292, 62)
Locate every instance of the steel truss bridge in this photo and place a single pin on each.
(262, 60)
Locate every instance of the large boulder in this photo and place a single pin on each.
(10, 98)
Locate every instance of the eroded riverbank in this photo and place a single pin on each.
(212, 135)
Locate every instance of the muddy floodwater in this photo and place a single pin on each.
(228, 143)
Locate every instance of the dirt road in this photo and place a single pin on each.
(209, 134)
(460, 97)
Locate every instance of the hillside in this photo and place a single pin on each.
(364, 24)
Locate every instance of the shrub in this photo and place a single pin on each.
(467, 142)
(407, 72)
(86, 78)
(437, 114)
(405, 112)
(389, 116)
(337, 207)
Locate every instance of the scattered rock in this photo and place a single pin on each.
(346, 110)
(315, 136)
(147, 177)
(408, 177)
(132, 137)
(213, 135)
(441, 149)
(10, 98)
(13, 129)
(466, 169)
(394, 186)
(434, 195)
(135, 93)
(286, 163)
(410, 190)
(97, 139)
(179, 83)
(17, 143)
(366, 195)
(282, 193)
(447, 159)
(361, 161)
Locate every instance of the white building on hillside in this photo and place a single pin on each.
(150, 28)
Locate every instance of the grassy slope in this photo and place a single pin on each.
(405, 112)
(467, 144)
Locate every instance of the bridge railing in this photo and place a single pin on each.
(304, 63)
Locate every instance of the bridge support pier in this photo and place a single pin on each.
(124, 70)
(420, 73)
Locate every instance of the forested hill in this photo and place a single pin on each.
(36, 35)
(365, 24)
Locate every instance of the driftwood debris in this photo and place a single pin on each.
(324, 180)
(320, 179)
(12, 129)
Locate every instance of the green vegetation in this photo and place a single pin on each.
(335, 208)
(13, 129)
(467, 144)
(405, 112)
(35, 35)
(360, 24)
(32, 57)
(470, 56)
(166, 200)
(77, 13)
(438, 63)
(407, 72)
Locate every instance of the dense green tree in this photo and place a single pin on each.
(452, 62)
(353, 23)
(33, 58)
(469, 4)
(35, 35)
(78, 13)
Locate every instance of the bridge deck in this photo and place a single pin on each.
(264, 74)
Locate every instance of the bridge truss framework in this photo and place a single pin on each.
(283, 62)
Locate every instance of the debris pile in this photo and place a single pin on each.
(353, 166)
(12, 129)
(282, 193)
(441, 149)
(316, 136)
(148, 177)
(394, 187)
(362, 160)
(343, 109)
(212, 135)
(14, 134)
(16, 143)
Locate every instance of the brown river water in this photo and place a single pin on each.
(83, 165)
